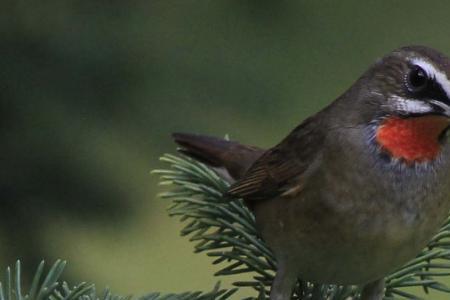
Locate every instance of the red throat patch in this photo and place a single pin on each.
(414, 139)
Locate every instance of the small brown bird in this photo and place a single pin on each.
(356, 190)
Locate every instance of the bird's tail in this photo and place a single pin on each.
(231, 156)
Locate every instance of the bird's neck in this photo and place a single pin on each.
(413, 139)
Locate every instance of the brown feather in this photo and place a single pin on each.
(220, 153)
(279, 170)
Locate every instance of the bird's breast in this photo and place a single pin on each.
(354, 223)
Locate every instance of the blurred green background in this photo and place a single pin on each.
(91, 90)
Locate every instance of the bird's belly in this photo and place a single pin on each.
(351, 243)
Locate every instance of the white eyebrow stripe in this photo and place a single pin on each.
(441, 77)
(411, 106)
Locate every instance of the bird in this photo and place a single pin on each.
(357, 189)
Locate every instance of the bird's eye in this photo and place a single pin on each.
(417, 79)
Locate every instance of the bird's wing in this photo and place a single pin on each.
(282, 169)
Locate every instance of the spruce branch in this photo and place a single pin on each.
(225, 230)
(49, 287)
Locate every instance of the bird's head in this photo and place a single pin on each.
(413, 81)
(406, 94)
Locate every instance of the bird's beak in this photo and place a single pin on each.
(441, 108)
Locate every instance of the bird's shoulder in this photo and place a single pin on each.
(283, 169)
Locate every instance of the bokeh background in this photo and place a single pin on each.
(91, 90)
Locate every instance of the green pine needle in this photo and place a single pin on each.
(51, 288)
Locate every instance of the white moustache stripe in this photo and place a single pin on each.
(411, 106)
(432, 72)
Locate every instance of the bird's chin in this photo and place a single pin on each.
(414, 139)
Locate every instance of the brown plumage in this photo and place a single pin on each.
(333, 204)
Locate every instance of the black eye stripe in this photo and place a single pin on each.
(436, 92)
